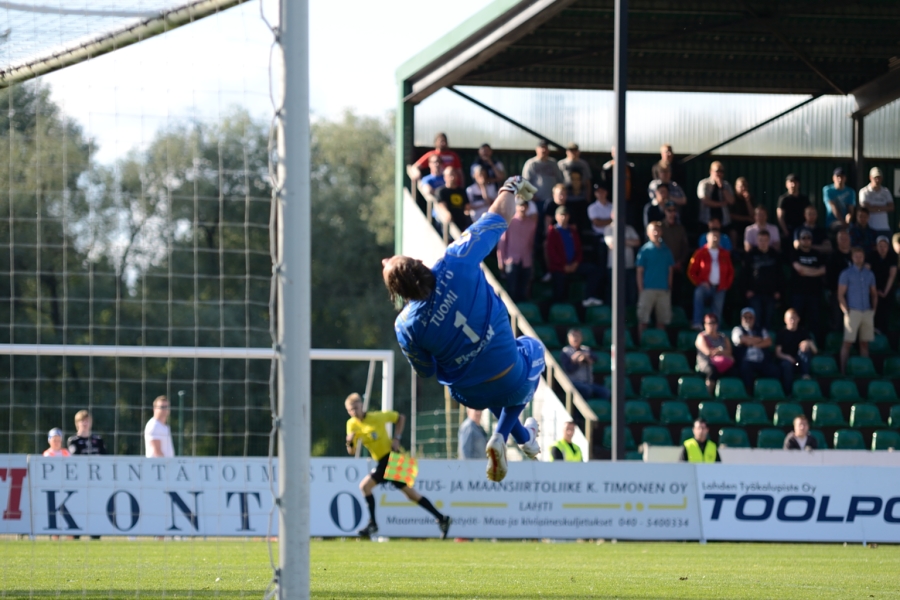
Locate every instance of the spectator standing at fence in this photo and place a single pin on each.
(799, 438)
(838, 198)
(675, 238)
(577, 360)
(515, 251)
(880, 202)
(711, 271)
(565, 449)
(764, 279)
(480, 194)
(564, 258)
(791, 206)
(716, 196)
(600, 215)
(448, 157)
(809, 281)
(699, 448)
(435, 178)
(839, 260)
(632, 241)
(54, 438)
(883, 263)
(653, 271)
(85, 442)
(760, 222)
(452, 201)
(714, 354)
(820, 241)
(861, 233)
(472, 437)
(751, 343)
(495, 172)
(858, 297)
(795, 349)
(542, 172)
(158, 435)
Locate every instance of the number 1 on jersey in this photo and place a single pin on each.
(470, 333)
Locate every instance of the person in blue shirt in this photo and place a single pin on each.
(453, 325)
(724, 240)
(858, 297)
(838, 199)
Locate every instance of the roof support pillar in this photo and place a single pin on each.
(404, 130)
(859, 159)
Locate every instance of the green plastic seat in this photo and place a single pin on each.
(599, 316)
(880, 345)
(679, 318)
(607, 340)
(655, 339)
(601, 408)
(531, 312)
(563, 314)
(807, 389)
(734, 437)
(820, 437)
(629, 438)
(785, 413)
(731, 389)
(629, 389)
(826, 414)
(602, 363)
(674, 363)
(884, 439)
(638, 363)
(865, 415)
(882, 391)
(686, 340)
(768, 388)
(844, 390)
(848, 439)
(894, 417)
(656, 436)
(638, 412)
(692, 388)
(675, 412)
(770, 438)
(824, 366)
(548, 337)
(833, 342)
(686, 434)
(587, 335)
(751, 413)
(654, 386)
(891, 367)
(714, 413)
(861, 366)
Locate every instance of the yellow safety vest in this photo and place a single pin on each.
(569, 455)
(694, 454)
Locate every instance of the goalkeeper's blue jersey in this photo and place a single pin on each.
(462, 331)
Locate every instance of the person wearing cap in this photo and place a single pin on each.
(712, 272)
(858, 297)
(564, 258)
(515, 251)
(542, 172)
(838, 199)
(752, 349)
(54, 438)
(861, 232)
(795, 349)
(764, 279)
(573, 163)
(883, 263)
(565, 449)
(879, 200)
(820, 243)
(791, 206)
(495, 172)
(715, 195)
(809, 281)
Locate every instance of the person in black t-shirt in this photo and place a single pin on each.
(883, 263)
(821, 243)
(809, 281)
(453, 203)
(838, 260)
(85, 442)
(764, 278)
(795, 349)
(790, 207)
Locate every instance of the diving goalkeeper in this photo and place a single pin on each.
(453, 324)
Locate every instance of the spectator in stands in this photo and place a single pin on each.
(654, 267)
(577, 360)
(742, 212)
(633, 207)
(880, 202)
(791, 206)
(481, 194)
(764, 279)
(564, 258)
(895, 241)
(573, 163)
(795, 350)
(711, 271)
(85, 442)
(667, 161)
(724, 240)
(861, 234)
(714, 354)
(838, 199)
(809, 281)
(558, 197)
(839, 260)
(632, 241)
(515, 251)
(472, 437)
(883, 263)
(699, 449)
(654, 210)
(577, 202)
(157, 435)
(820, 241)
(565, 449)
(54, 438)
(858, 297)
(452, 202)
(799, 438)
(600, 214)
(760, 222)
(715, 195)
(448, 157)
(751, 344)
(435, 178)
(495, 172)
(542, 172)
(675, 237)
(676, 192)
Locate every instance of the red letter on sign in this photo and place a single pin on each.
(16, 477)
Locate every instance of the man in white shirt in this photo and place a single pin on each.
(880, 202)
(157, 435)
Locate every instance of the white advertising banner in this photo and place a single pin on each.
(15, 501)
(798, 504)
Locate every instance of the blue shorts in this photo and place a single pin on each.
(515, 388)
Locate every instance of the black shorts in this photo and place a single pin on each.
(378, 473)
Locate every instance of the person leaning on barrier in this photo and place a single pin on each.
(799, 438)
(158, 435)
(565, 449)
(85, 442)
(472, 437)
(699, 449)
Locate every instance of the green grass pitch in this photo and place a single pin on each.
(432, 569)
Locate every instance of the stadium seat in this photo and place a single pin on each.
(531, 312)
(563, 314)
(860, 367)
(655, 339)
(634, 455)
(880, 345)
(655, 387)
(824, 366)
(882, 391)
(885, 439)
(894, 417)
(601, 408)
(629, 438)
(679, 318)
(865, 415)
(833, 342)
(807, 389)
(686, 340)
(891, 367)
(674, 363)
(733, 437)
(638, 412)
(820, 437)
(675, 412)
(607, 340)
(768, 389)
(785, 413)
(686, 434)
(844, 390)
(603, 363)
(770, 438)
(637, 363)
(751, 413)
(692, 388)
(848, 439)
(599, 315)
(826, 414)
(656, 436)
(547, 334)
(714, 413)
(731, 389)
(629, 389)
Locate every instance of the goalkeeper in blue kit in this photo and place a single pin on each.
(452, 324)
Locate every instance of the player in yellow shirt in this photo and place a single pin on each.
(368, 427)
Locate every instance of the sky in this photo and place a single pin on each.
(203, 69)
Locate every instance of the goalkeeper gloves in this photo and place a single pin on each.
(519, 187)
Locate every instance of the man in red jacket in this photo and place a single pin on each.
(563, 250)
(711, 271)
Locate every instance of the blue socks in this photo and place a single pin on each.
(508, 422)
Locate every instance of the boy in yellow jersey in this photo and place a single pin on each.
(368, 427)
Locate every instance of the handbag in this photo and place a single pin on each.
(721, 363)
(402, 468)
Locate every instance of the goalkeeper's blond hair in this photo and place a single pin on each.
(352, 398)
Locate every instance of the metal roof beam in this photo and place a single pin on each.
(877, 93)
